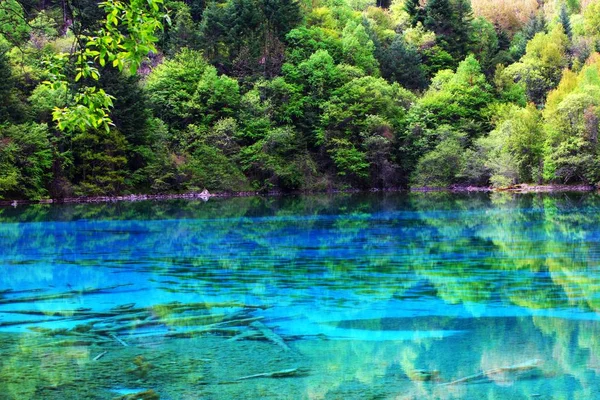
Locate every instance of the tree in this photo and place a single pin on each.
(451, 22)
(441, 167)
(9, 104)
(514, 150)
(206, 158)
(99, 162)
(358, 49)
(213, 31)
(25, 161)
(572, 127)
(314, 80)
(363, 116)
(536, 24)
(320, 76)
(565, 21)
(460, 102)
(302, 42)
(216, 97)
(402, 63)
(282, 16)
(182, 31)
(541, 67)
(439, 18)
(462, 18)
(278, 161)
(172, 85)
(484, 44)
(591, 17)
(458, 99)
(13, 23)
(245, 37)
(126, 36)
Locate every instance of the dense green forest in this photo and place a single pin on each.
(164, 96)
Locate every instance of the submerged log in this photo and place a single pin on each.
(121, 342)
(128, 316)
(251, 333)
(28, 322)
(55, 296)
(72, 343)
(284, 373)
(51, 313)
(510, 369)
(108, 324)
(270, 335)
(238, 322)
(177, 308)
(203, 331)
(123, 307)
(99, 356)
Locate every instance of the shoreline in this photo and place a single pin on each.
(205, 195)
(520, 188)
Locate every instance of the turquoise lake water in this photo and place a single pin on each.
(381, 296)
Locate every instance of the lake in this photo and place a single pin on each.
(352, 296)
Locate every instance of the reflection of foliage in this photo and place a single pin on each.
(459, 244)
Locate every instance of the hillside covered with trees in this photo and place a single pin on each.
(153, 96)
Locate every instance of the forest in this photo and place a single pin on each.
(166, 96)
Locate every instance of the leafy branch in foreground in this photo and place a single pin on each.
(127, 36)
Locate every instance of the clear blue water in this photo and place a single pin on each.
(386, 296)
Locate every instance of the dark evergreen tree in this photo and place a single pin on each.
(131, 111)
(281, 16)
(213, 30)
(565, 21)
(182, 32)
(12, 107)
(402, 63)
(438, 17)
(415, 11)
(196, 8)
(85, 14)
(249, 34)
(503, 39)
(245, 20)
(451, 22)
(462, 19)
(6, 87)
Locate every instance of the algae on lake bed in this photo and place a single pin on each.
(211, 367)
(173, 368)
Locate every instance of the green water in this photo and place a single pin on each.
(382, 296)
